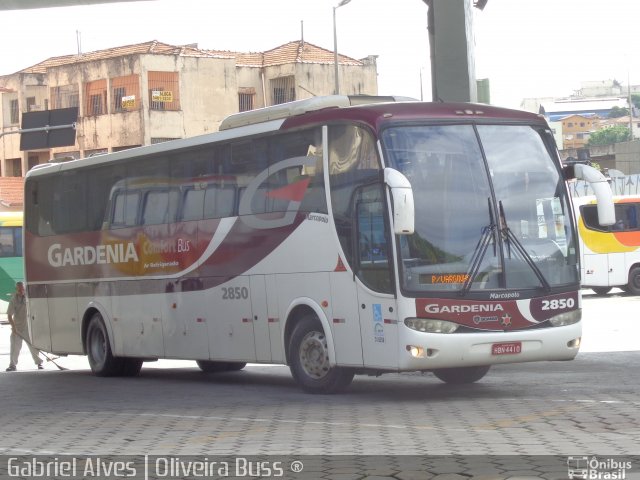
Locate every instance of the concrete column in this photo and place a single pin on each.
(453, 76)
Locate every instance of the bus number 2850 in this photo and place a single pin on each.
(558, 304)
(235, 293)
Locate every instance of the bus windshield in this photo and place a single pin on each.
(491, 209)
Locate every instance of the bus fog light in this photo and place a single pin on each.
(416, 352)
(575, 343)
(567, 318)
(430, 325)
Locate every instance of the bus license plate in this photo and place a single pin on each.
(510, 348)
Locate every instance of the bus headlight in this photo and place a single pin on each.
(430, 325)
(567, 318)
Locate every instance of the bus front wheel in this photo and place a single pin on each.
(309, 359)
(633, 287)
(461, 375)
(101, 360)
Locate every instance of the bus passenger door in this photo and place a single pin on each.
(373, 266)
(260, 318)
(230, 321)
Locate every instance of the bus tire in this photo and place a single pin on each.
(210, 366)
(461, 375)
(601, 290)
(101, 360)
(130, 367)
(309, 359)
(235, 366)
(634, 281)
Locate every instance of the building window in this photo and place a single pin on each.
(245, 98)
(65, 96)
(66, 156)
(164, 91)
(31, 104)
(570, 124)
(283, 90)
(14, 167)
(125, 93)
(95, 152)
(32, 161)
(96, 98)
(15, 112)
(155, 140)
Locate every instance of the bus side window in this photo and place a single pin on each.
(219, 201)
(590, 218)
(631, 214)
(125, 211)
(159, 207)
(192, 204)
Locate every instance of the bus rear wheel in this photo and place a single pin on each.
(212, 367)
(101, 360)
(461, 375)
(130, 367)
(633, 287)
(601, 290)
(309, 359)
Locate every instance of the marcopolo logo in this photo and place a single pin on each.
(59, 256)
(594, 468)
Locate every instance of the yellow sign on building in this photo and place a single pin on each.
(129, 101)
(161, 96)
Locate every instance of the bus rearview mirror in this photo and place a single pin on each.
(402, 198)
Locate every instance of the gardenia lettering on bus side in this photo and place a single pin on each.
(490, 307)
(89, 255)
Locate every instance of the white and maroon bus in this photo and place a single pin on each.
(337, 235)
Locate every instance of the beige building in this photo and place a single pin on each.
(152, 92)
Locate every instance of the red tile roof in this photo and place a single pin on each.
(153, 47)
(12, 191)
(292, 52)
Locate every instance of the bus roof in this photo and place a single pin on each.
(318, 110)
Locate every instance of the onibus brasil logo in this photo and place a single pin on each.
(594, 468)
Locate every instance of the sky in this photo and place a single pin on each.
(527, 48)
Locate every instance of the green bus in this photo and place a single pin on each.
(11, 265)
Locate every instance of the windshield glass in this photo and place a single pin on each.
(466, 238)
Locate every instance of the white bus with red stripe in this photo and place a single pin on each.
(337, 235)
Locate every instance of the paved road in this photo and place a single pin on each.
(590, 406)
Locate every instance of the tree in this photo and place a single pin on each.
(617, 112)
(607, 136)
(635, 99)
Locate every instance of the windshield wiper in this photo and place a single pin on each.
(510, 238)
(488, 233)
